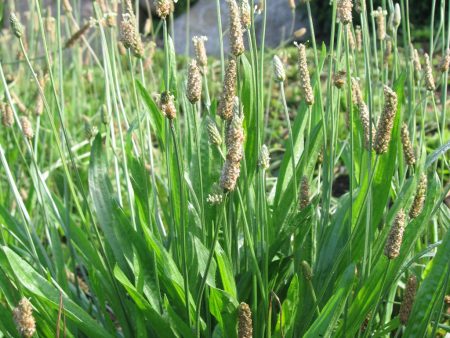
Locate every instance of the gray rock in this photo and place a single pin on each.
(203, 21)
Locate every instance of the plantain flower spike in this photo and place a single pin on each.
(395, 237)
(386, 122)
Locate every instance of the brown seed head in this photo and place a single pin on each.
(7, 114)
(386, 122)
(395, 237)
(200, 51)
(23, 317)
(344, 11)
(305, 84)
(225, 107)
(167, 105)
(408, 149)
(416, 61)
(164, 8)
(380, 16)
(339, 79)
(230, 175)
(365, 122)
(419, 199)
(429, 79)
(194, 82)
(445, 62)
(129, 35)
(27, 129)
(304, 193)
(77, 35)
(235, 138)
(236, 33)
(408, 299)
(246, 18)
(245, 329)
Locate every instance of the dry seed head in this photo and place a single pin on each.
(230, 175)
(77, 35)
(304, 193)
(163, 8)
(167, 105)
(416, 61)
(23, 317)
(236, 33)
(7, 114)
(213, 132)
(246, 18)
(307, 271)
(200, 51)
(129, 35)
(20, 105)
(358, 38)
(245, 329)
(27, 129)
(278, 69)
(408, 299)
(225, 108)
(305, 84)
(408, 149)
(194, 82)
(344, 11)
(235, 139)
(445, 63)
(16, 27)
(339, 79)
(264, 158)
(419, 199)
(291, 4)
(356, 91)
(380, 16)
(429, 79)
(386, 121)
(395, 237)
(365, 122)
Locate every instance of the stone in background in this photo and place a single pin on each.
(203, 21)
